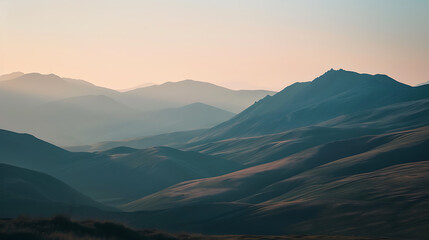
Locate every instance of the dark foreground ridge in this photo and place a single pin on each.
(61, 227)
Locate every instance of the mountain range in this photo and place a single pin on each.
(75, 112)
(344, 154)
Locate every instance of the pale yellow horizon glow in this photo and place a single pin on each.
(240, 44)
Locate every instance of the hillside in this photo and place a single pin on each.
(262, 149)
(338, 158)
(26, 192)
(358, 186)
(112, 176)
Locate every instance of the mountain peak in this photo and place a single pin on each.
(352, 79)
(335, 93)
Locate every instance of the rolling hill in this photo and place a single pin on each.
(26, 192)
(114, 176)
(368, 186)
(323, 163)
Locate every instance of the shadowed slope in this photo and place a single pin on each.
(23, 191)
(115, 176)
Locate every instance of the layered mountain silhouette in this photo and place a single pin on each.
(51, 87)
(345, 154)
(75, 112)
(88, 119)
(190, 91)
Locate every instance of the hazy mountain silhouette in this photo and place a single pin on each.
(75, 112)
(93, 118)
(136, 87)
(11, 76)
(333, 94)
(173, 94)
(345, 154)
(23, 192)
(51, 87)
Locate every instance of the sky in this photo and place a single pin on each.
(240, 44)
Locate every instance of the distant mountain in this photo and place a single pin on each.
(136, 87)
(167, 139)
(115, 176)
(185, 92)
(11, 76)
(333, 94)
(75, 112)
(51, 87)
(25, 192)
(189, 117)
(94, 118)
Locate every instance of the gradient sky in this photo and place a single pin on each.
(241, 44)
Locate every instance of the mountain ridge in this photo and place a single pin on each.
(335, 93)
